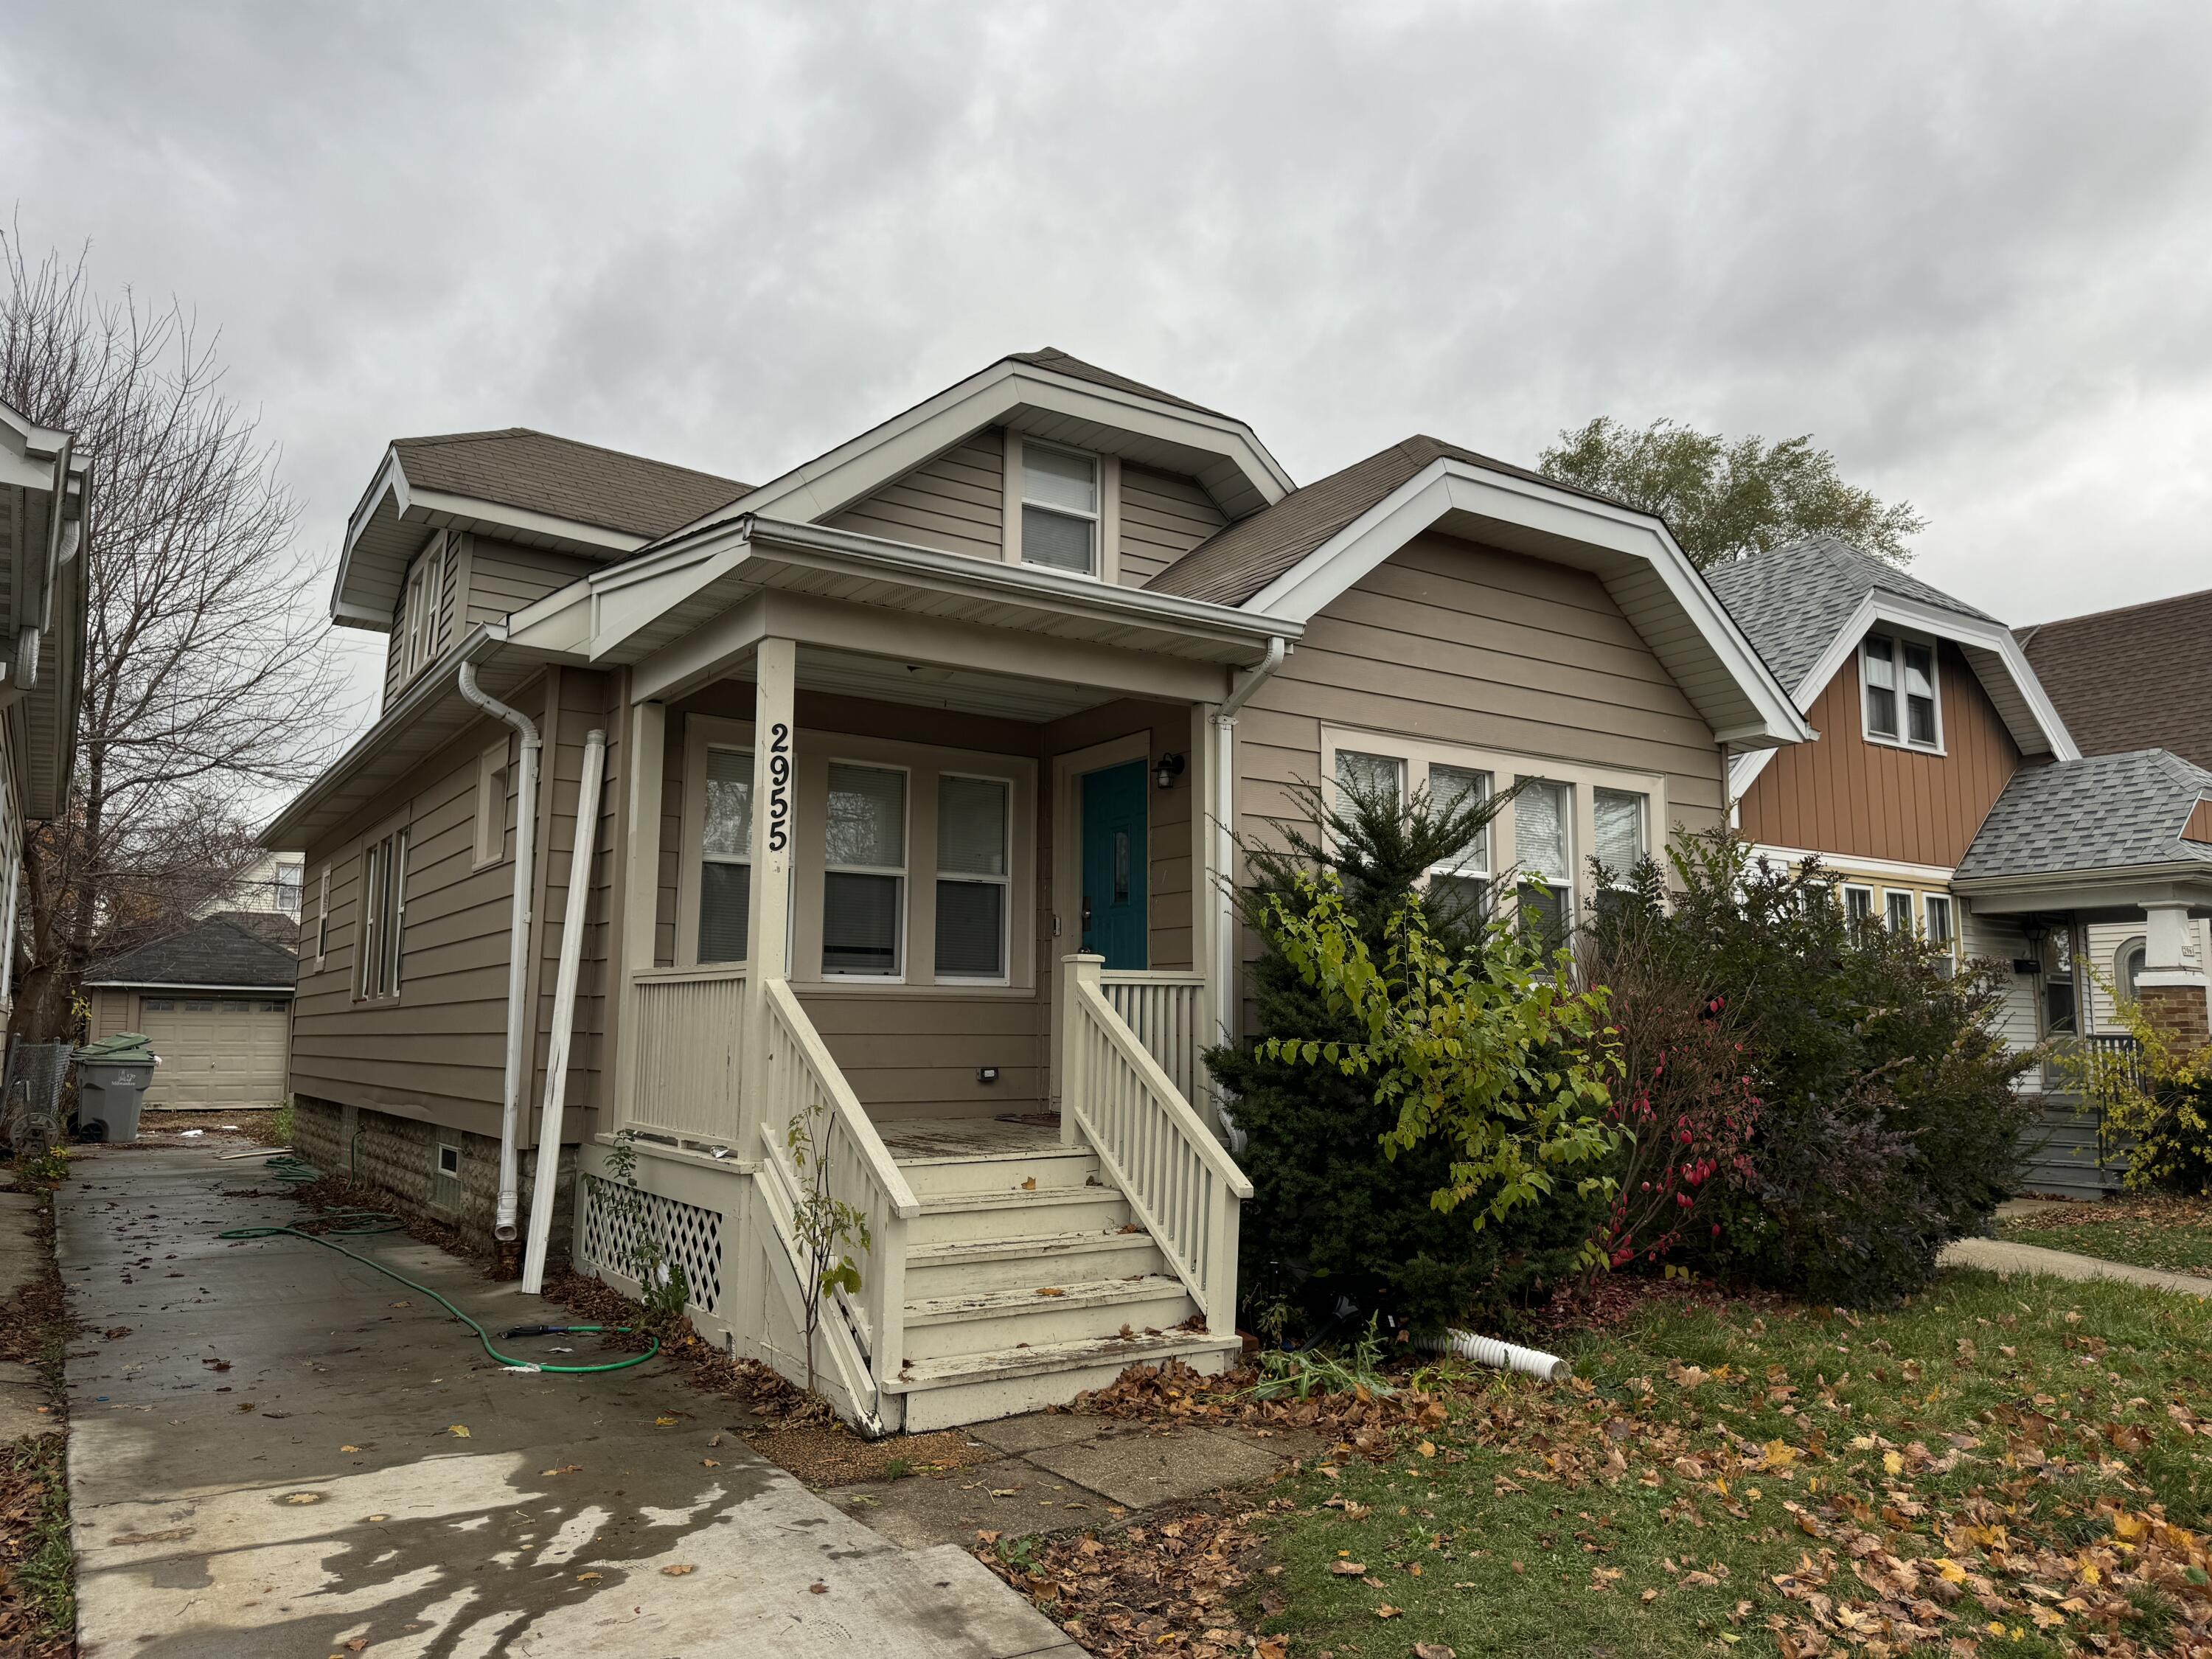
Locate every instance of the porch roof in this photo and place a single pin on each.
(2103, 822)
(657, 610)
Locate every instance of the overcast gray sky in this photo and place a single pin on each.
(1965, 246)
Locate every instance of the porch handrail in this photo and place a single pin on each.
(687, 1028)
(801, 1078)
(1163, 1007)
(1180, 1181)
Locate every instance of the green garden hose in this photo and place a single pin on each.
(358, 1223)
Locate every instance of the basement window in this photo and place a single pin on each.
(449, 1161)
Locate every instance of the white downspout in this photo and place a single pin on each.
(518, 946)
(564, 1014)
(1225, 930)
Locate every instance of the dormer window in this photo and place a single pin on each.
(418, 619)
(1899, 679)
(1060, 509)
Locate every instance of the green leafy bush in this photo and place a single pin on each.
(1346, 1175)
(1888, 1121)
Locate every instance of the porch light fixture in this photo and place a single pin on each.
(1167, 770)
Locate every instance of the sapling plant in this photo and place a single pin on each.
(826, 1227)
(664, 1289)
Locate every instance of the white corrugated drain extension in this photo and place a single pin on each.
(1501, 1355)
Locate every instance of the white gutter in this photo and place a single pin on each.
(518, 947)
(564, 1014)
(1224, 838)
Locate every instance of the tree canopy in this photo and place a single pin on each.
(1727, 499)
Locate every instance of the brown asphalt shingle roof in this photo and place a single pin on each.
(541, 473)
(2139, 678)
(1235, 563)
(1075, 368)
(228, 948)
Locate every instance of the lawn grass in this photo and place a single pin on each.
(1647, 1509)
(2173, 1233)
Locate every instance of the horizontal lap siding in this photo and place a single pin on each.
(586, 703)
(439, 1050)
(1847, 796)
(954, 503)
(1999, 939)
(916, 1053)
(504, 577)
(1164, 516)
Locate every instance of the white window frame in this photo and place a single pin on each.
(1005, 977)
(323, 919)
(1096, 516)
(1506, 768)
(418, 619)
(492, 781)
(1893, 912)
(904, 872)
(700, 857)
(377, 977)
(1862, 889)
(1642, 833)
(1929, 903)
(1462, 869)
(1899, 642)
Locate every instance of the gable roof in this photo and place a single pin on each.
(222, 950)
(1232, 565)
(2093, 668)
(518, 484)
(517, 466)
(1059, 362)
(1794, 601)
(2106, 813)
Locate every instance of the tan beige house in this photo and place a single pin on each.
(908, 779)
(1950, 797)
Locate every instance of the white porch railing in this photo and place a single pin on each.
(688, 1025)
(1181, 1183)
(863, 1337)
(1162, 1008)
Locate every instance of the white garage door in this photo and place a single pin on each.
(216, 1051)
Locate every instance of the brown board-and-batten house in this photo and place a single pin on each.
(921, 762)
(1951, 797)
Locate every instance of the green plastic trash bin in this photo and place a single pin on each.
(111, 1078)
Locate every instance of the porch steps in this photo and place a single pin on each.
(1023, 1270)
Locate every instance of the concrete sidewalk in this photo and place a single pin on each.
(2003, 1257)
(267, 1458)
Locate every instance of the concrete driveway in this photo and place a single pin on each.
(267, 1457)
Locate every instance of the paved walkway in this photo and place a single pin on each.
(1998, 1256)
(267, 1458)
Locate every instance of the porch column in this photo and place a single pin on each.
(2172, 990)
(643, 753)
(775, 792)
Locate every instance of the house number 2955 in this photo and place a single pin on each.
(779, 787)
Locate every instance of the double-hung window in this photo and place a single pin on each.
(974, 834)
(383, 916)
(864, 880)
(1937, 908)
(426, 587)
(1896, 911)
(726, 853)
(1899, 675)
(1060, 509)
(1372, 777)
(1543, 843)
(1460, 887)
(1858, 904)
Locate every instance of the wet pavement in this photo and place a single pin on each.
(276, 1451)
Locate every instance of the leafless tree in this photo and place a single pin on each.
(207, 669)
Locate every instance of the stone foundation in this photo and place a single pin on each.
(398, 1157)
(2176, 1012)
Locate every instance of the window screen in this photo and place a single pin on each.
(1060, 508)
(864, 886)
(972, 835)
(726, 856)
(1619, 816)
(1541, 847)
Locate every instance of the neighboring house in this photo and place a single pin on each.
(922, 762)
(43, 486)
(215, 997)
(1951, 797)
(269, 885)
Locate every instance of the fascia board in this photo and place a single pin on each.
(2183, 882)
(389, 479)
(521, 518)
(854, 469)
(1445, 484)
(179, 985)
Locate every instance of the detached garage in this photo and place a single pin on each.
(216, 997)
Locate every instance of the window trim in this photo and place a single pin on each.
(1928, 902)
(1844, 892)
(1507, 768)
(1891, 910)
(382, 858)
(1899, 640)
(494, 783)
(323, 920)
(1005, 977)
(903, 872)
(418, 624)
(1021, 503)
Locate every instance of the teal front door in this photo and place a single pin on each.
(1114, 910)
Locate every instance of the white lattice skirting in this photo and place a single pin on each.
(692, 1236)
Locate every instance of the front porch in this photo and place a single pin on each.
(941, 933)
